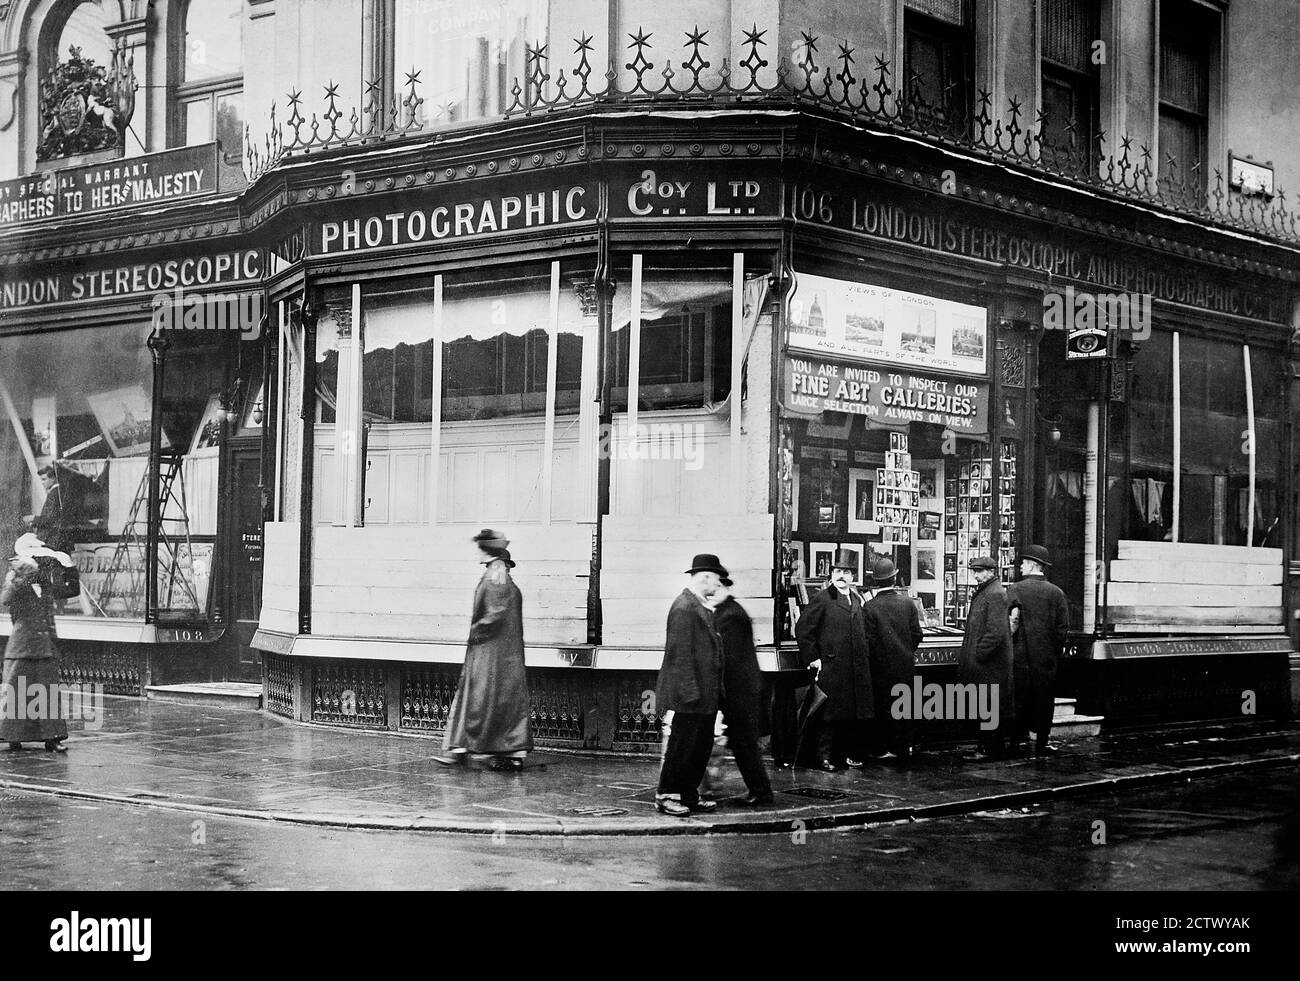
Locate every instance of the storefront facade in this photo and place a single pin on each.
(627, 330)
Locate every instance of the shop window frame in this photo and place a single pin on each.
(185, 92)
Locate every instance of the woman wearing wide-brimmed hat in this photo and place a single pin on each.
(29, 687)
(489, 719)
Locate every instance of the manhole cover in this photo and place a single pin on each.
(597, 812)
(817, 793)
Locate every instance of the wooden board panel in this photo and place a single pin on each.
(689, 529)
(1185, 552)
(652, 636)
(432, 571)
(281, 621)
(627, 585)
(1146, 570)
(1199, 628)
(1220, 615)
(676, 556)
(389, 599)
(1183, 594)
(454, 543)
(448, 628)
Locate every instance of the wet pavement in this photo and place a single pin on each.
(240, 763)
(1237, 832)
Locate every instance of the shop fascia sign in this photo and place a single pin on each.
(681, 192)
(197, 274)
(153, 179)
(887, 397)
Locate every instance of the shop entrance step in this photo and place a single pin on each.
(225, 694)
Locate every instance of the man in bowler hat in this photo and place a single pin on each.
(742, 699)
(690, 686)
(1038, 643)
(832, 640)
(985, 657)
(893, 634)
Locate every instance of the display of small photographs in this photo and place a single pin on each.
(898, 441)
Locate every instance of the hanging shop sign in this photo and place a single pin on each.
(455, 212)
(888, 398)
(198, 274)
(156, 178)
(680, 192)
(890, 214)
(859, 321)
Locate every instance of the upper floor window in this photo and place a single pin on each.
(1187, 42)
(468, 57)
(1070, 83)
(938, 58)
(209, 94)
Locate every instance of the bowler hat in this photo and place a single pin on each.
(845, 559)
(884, 571)
(982, 562)
(704, 562)
(1037, 553)
(487, 538)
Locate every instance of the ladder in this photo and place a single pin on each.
(173, 532)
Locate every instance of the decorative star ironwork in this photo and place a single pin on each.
(640, 39)
(584, 43)
(696, 37)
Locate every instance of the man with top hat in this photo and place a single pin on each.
(489, 719)
(690, 686)
(893, 634)
(742, 699)
(832, 640)
(985, 657)
(1038, 643)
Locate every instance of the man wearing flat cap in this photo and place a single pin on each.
(1038, 643)
(985, 657)
(832, 638)
(690, 686)
(893, 634)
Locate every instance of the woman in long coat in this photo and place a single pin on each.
(31, 668)
(490, 715)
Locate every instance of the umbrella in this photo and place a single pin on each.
(813, 700)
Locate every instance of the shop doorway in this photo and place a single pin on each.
(245, 558)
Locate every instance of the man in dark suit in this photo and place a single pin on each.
(742, 708)
(690, 686)
(58, 514)
(832, 640)
(893, 633)
(1038, 643)
(985, 657)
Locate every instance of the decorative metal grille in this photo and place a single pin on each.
(1011, 356)
(116, 670)
(426, 697)
(279, 685)
(638, 722)
(834, 82)
(349, 693)
(557, 707)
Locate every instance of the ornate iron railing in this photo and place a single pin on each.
(872, 99)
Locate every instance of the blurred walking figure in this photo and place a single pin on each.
(742, 690)
(489, 718)
(1038, 643)
(893, 634)
(832, 640)
(985, 657)
(690, 686)
(30, 708)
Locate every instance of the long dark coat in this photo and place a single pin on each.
(490, 713)
(30, 667)
(894, 633)
(835, 632)
(742, 703)
(1038, 644)
(986, 656)
(690, 678)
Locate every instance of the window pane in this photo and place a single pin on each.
(953, 11)
(1151, 441)
(1215, 460)
(230, 125)
(213, 39)
(1069, 28)
(82, 401)
(85, 29)
(198, 121)
(398, 366)
(468, 57)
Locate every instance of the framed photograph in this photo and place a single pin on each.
(820, 557)
(929, 485)
(831, 425)
(209, 431)
(897, 441)
(950, 543)
(950, 522)
(862, 498)
(950, 580)
(924, 564)
(123, 415)
(927, 526)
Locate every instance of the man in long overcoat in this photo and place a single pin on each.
(690, 686)
(986, 657)
(490, 714)
(832, 639)
(1038, 644)
(742, 699)
(893, 633)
